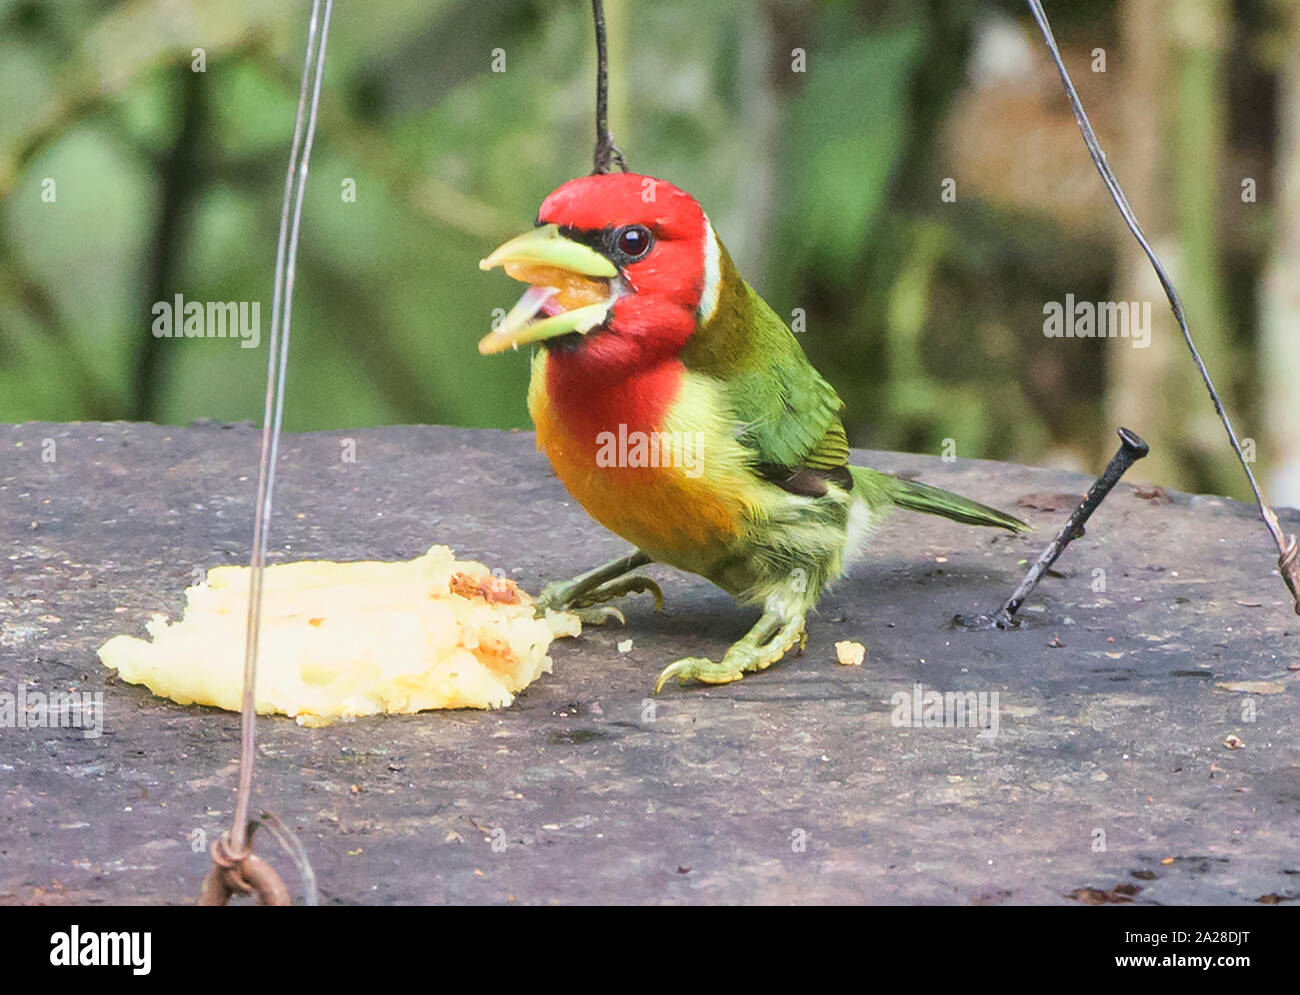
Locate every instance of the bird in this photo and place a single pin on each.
(681, 412)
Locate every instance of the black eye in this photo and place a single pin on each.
(633, 241)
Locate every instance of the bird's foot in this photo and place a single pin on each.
(586, 601)
(764, 644)
(636, 584)
(598, 615)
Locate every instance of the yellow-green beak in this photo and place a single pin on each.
(534, 256)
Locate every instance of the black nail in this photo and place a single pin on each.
(1131, 449)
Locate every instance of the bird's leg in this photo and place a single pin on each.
(769, 640)
(586, 593)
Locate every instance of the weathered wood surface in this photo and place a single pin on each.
(1109, 768)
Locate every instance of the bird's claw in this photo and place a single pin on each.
(698, 668)
(561, 596)
(764, 644)
(598, 615)
(637, 584)
(643, 585)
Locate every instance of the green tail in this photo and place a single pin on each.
(878, 488)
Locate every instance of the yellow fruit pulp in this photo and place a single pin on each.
(341, 640)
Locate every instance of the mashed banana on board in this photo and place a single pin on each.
(340, 640)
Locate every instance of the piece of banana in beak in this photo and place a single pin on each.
(572, 289)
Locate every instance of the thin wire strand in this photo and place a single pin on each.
(277, 361)
(297, 853)
(1175, 302)
(606, 151)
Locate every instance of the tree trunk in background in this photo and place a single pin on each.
(1279, 349)
(1198, 142)
(1172, 102)
(1136, 393)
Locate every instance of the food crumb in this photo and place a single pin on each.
(850, 653)
(625, 646)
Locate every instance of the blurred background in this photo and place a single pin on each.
(824, 172)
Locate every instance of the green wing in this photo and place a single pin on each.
(791, 416)
(788, 415)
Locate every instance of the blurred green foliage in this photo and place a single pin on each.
(824, 184)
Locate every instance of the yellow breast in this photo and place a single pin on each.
(682, 491)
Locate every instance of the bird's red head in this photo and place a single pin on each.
(620, 264)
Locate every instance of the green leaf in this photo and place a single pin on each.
(847, 131)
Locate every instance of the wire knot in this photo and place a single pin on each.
(1288, 564)
(244, 874)
(607, 154)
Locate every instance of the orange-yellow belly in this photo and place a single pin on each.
(678, 513)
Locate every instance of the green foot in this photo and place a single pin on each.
(764, 644)
(586, 594)
(636, 584)
(598, 615)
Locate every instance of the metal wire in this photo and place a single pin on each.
(606, 151)
(277, 362)
(1286, 562)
